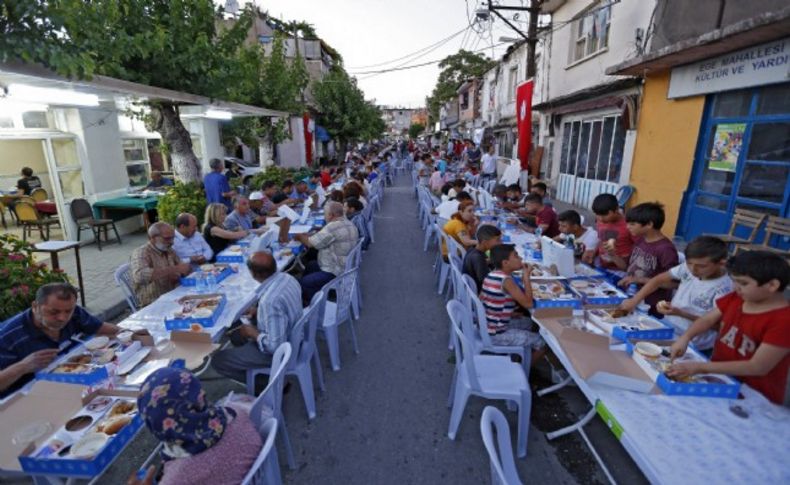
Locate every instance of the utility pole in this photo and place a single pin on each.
(531, 37)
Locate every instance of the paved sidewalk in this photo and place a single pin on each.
(103, 298)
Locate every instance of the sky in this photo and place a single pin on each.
(372, 32)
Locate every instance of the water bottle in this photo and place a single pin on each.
(538, 232)
(211, 283)
(632, 289)
(570, 241)
(200, 282)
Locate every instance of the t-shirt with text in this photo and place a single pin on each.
(742, 333)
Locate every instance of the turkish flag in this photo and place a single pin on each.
(308, 137)
(524, 118)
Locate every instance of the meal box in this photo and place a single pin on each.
(191, 279)
(228, 256)
(37, 459)
(173, 323)
(569, 299)
(615, 298)
(632, 326)
(721, 386)
(582, 270)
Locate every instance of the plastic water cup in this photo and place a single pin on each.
(200, 282)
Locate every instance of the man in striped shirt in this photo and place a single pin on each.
(279, 308)
(501, 294)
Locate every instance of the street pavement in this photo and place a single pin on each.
(383, 418)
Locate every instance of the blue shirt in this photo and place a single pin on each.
(442, 165)
(237, 222)
(215, 185)
(20, 338)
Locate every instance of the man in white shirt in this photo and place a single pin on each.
(189, 244)
(570, 223)
(446, 209)
(488, 168)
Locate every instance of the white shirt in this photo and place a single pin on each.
(489, 164)
(697, 297)
(446, 209)
(589, 239)
(194, 246)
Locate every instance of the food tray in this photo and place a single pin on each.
(554, 294)
(597, 292)
(221, 271)
(81, 365)
(231, 254)
(586, 271)
(54, 457)
(703, 385)
(631, 326)
(186, 322)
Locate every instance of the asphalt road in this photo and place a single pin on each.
(383, 418)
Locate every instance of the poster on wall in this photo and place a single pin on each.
(727, 143)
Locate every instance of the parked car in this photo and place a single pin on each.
(245, 169)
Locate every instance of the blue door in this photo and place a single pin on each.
(742, 160)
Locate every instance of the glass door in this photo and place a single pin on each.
(64, 162)
(743, 160)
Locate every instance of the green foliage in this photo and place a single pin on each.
(21, 276)
(415, 129)
(182, 197)
(278, 175)
(456, 68)
(345, 113)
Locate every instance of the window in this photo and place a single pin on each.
(511, 83)
(593, 149)
(136, 157)
(69, 170)
(465, 100)
(591, 32)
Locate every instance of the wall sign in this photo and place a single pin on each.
(757, 65)
(726, 148)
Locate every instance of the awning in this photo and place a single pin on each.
(585, 95)
(112, 89)
(321, 134)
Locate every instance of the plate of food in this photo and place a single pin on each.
(89, 445)
(112, 424)
(97, 343)
(69, 368)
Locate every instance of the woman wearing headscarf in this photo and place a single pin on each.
(202, 443)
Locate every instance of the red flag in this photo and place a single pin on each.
(524, 118)
(308, 137)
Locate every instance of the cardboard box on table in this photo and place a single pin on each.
(192, 347)
(176, 323)
(55, 403)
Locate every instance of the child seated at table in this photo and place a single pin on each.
(753, 328)
(475, 262)
(653, 252)
(462, 226)
(545, 217)
(614, 241)
(702, 280)
(500, 294)
(586, 238)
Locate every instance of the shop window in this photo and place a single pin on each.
(591, 32)
(69, 169)
(732, 104)
(136, 158)
(774, 100)
(512, 81)
(564, 147)
(35, 119)
(593, 149)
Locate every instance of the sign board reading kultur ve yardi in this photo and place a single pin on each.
(756, 66)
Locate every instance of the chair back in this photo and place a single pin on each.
(623, 195)
(26, 199)
(343, 286)
(272, 397)
(776, 226)
(471, 283)
(456, 247)
(748, 219)
(354, 258)
(258, 472)
(80, 210)
(479, 314)
(39, 194)
(26, 212)
(123, 278)
(311, 318)
(464, 353)
(503, 466)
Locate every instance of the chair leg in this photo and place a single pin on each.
(524, 412)
(319, 372)
(115, 229)
(353, 335)
(305, 377)
(24, 232)
(443, 273)
(97, 236)
(334, 346)
(79, 232)
(453, 383)
(459, 404)
(289, 453)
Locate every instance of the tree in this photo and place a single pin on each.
(415, 129)
(344, 112)
(456, 68)
(174, 44)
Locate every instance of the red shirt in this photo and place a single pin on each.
(549, 217)
(618, 231)
(326, 179)
(741, 334)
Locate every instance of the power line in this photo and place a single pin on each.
(423, 64)
(446, 39)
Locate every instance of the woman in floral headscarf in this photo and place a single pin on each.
(202, 443)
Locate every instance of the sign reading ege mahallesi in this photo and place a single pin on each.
(758, 65)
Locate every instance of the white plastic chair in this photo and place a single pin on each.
(490, 377)
(270, 402)
(337, 313)
(353, 261)
(443, 267)
(503, 466)
(303, 342)
(266, 469)
(123, 278)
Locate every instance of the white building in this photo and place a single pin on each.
(588, 117)
(78, 139)
(397, 119)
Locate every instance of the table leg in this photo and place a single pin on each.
(53, 256)
(79, 274)
(146, 220)
(555, 387)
